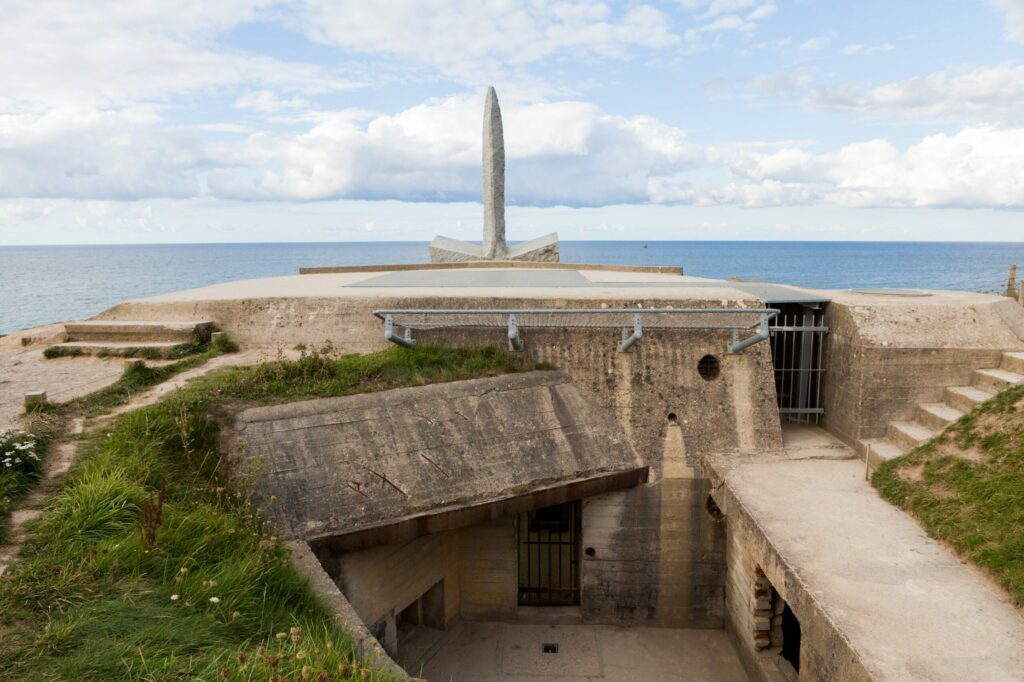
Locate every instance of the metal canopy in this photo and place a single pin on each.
(632, 322)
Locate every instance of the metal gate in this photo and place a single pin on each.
(549, 541)
(798, 342)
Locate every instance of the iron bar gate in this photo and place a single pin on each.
(798, 346)
(549, 542)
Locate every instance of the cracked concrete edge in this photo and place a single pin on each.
(478, 387)
(366, 645)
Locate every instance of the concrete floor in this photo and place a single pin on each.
(505, 652)
(907, 605)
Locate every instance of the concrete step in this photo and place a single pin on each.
(115, 347)
(937, 415)
(136, 331)
(882, 450)
(1013, 362)
(998, 379)
(908, 435)
(966, 398)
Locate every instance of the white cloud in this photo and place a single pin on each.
(867, 50)
(714, 8)
(976, 167)
(815, 44)
(1014, 10)
(558, 153)
(762, 12)
(473, 41)
(74, 152)
(105, 53)
(268, 102)
(985, 94)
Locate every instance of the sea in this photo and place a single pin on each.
(43, 284)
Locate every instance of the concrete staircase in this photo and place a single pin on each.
(93, 336)
(931, 419)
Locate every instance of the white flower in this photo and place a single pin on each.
(215, 600)
(175, 597)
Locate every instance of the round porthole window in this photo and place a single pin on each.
(709, 367)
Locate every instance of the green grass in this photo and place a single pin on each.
(49, 420)
(215, 595)
(967, 487)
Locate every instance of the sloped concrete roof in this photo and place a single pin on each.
(340, 465)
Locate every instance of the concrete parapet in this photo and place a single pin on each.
(873, 596)
(491, 265)
(885, 357)
(367, 648)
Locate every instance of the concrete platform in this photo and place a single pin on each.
(906, 606)
(506, 652)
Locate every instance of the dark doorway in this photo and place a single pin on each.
(549, 553)
(790, 637)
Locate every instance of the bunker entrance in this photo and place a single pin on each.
(549, 550)
(798, 346)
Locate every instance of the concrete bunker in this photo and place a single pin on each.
(443, 502)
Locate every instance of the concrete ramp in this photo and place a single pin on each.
(380, 467)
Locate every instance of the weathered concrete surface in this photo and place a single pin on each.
(491, 265)
(25, 369)
(339, 465)
(885, 355)
(369, 650)
(543, 249)
(444, 250)
(875, 597)
(659, 560)
(501, 652)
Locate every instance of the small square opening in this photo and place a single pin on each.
(549, 648)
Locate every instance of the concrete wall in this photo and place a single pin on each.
(883, 359)
(824, 652)
(488, 561)
(657, 562)
(386, 579)
(477, 564)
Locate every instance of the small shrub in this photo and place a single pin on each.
(18, 454)
(223, 344)
(62, 352)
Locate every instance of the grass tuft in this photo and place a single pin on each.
(204, 589)
(967, 487)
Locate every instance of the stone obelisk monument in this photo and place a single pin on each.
(494, 179)
(445, 250)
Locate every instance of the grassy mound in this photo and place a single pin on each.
(49, 420)
(967, 487)
(150, 563)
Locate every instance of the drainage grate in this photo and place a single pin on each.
(549, 648)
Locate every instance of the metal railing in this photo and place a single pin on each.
(798, 342)
(632, 322)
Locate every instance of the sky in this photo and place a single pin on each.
(158, 121)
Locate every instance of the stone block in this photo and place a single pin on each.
(34, 398)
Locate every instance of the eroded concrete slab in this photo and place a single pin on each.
(367, 462)
(504, 652)
(904, 605)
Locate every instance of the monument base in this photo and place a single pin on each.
(540, 250)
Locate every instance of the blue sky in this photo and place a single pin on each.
(192, 121)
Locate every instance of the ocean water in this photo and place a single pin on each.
(41, 284)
